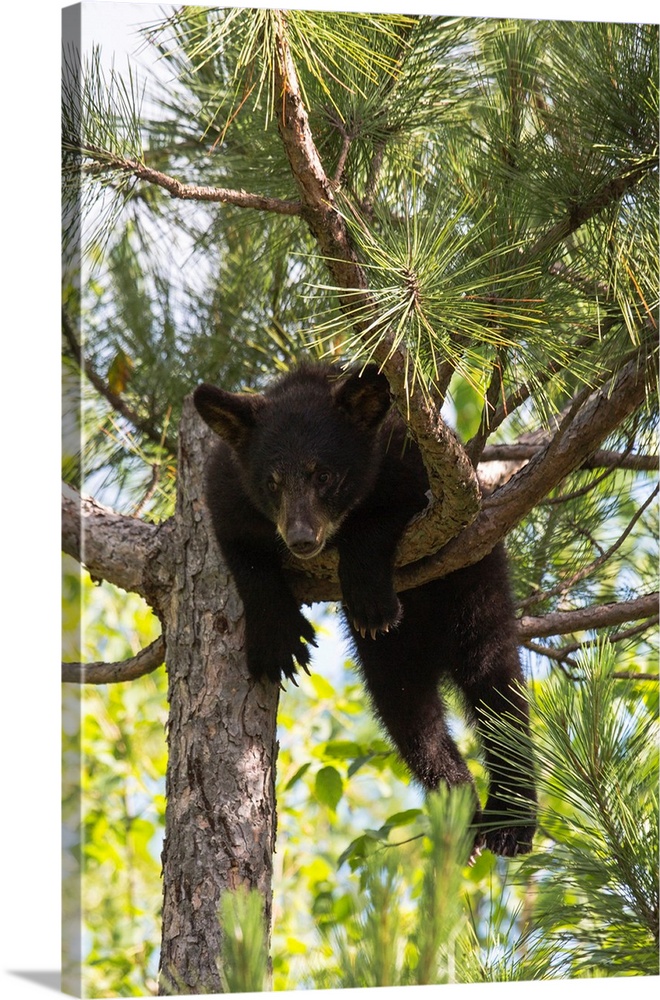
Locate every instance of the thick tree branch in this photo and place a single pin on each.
(145, 662)
(562, 655)
(599, 416)
(123, 550)
(592, 617)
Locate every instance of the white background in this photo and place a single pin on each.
(29, 394)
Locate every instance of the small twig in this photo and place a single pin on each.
(150, 490)
(563, 652)
(588, 286)
(117, 402)
(146, 661)
(625, 675)
(367, 203)
(476, 444)
(521, 394)
(610, 192)
(583, 532)
(576, 494)
(630, 633)
(563, 660)
(346, 139)
(155, 471)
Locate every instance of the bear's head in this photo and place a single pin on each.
(308, 448)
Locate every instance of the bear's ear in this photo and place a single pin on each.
(231, 415)
(364, 396)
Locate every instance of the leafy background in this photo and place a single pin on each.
(344, 799)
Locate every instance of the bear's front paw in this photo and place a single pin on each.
(274, 654)
(372, 612)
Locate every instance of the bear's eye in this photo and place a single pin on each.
(273, 485)
(322, 477)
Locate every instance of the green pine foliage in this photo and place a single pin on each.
(596, 742)
(244, 952)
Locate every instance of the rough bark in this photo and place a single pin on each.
(220, 819)
(519, 452)
(128, 552)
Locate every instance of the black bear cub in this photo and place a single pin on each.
(320, 459)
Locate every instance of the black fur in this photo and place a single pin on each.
(321, 460)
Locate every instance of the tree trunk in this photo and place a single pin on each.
(220, 819)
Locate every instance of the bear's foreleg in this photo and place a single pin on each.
(277, 634)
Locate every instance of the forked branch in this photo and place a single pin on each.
(452, 479)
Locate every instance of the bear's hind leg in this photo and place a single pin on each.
(485, 665)
(509, 816)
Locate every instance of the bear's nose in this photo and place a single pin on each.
(302, 540)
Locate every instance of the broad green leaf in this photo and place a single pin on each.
(328, 786)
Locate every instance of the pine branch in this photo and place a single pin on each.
(145, 662)
(592, 617)
(523, 392)
(566, 584)
(581, 212)
(563, 654)
(598, 417)
(599, 459)
(191, 192)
